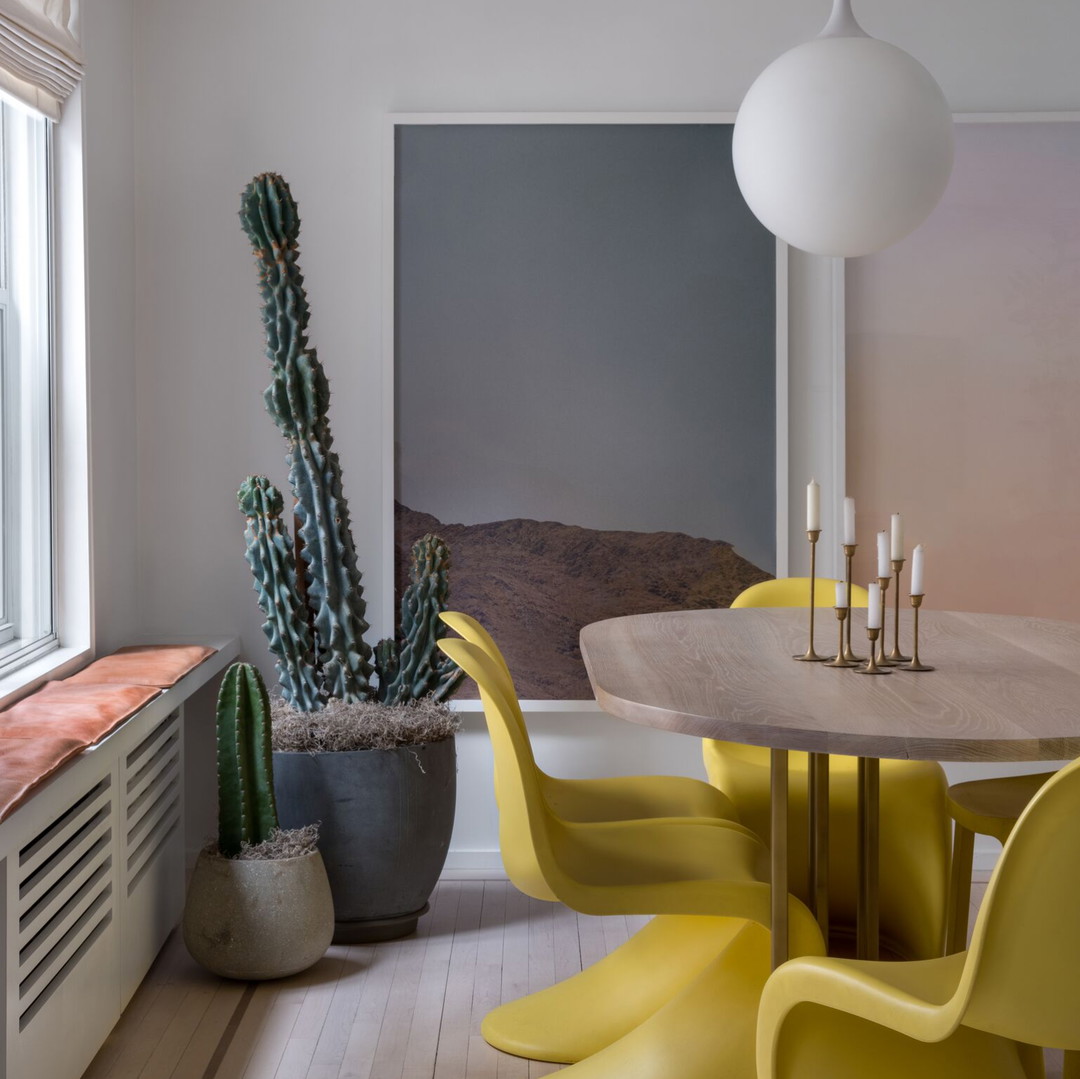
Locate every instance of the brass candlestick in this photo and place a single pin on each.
(810, 656)
(882, 659)
(849, 555)
(896, 656)
(915, 665)
(840, 660)
(871, 664)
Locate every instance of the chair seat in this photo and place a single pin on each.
(635, 798)
(992, 806)
(823, 1042)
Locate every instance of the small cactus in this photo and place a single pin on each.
(247, 812)
(414, 667)
(270, 555)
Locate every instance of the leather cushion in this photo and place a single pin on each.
(144, 665)
(84, 712)
(25, 763)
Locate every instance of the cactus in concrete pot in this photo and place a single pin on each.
(363, 742)
(259, 905)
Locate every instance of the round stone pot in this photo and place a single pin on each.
(258, 919)
(385, 818)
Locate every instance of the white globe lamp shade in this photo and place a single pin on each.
(843, 145)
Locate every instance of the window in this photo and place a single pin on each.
(27, 601)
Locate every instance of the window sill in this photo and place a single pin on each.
(56, 663)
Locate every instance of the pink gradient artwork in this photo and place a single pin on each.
(963, 378)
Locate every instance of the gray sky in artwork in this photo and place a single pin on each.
(585, 331)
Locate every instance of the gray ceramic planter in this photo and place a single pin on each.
(258, 919)
(385, 818)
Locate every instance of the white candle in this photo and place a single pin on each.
(873, 610)
(897, 537)
(841, 594)
(849, 521)
(813, 506)
(883, 569)
(917, 570)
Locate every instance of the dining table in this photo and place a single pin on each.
(1002, 688)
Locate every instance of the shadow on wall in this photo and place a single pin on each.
(534, 584)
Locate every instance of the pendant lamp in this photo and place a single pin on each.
(843, 145)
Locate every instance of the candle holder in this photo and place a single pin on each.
(810, 656)
(915, 665)
(896, 656)
(848, 651)
(872, 664)
(840, 660)
(882, 659)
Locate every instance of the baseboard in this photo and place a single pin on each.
(473, 865)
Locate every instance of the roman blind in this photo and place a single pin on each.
(40, 57)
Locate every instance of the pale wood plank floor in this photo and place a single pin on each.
(405, 1009)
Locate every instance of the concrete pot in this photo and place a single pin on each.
(385, 818)
(258, 919)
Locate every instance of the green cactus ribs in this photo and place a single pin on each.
(247, 812)
(313, 603)
(270, 556)
(413, 667)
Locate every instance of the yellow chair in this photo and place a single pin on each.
(915, 842)
(980, 807)
(709, 869)
(964, 1016)
(608, 798)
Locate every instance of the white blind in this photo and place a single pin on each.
(40, 58)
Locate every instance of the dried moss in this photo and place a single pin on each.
(340, 727)
(282, 843)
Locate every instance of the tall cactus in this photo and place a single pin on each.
(414, 667)
(247, 812)
(322, 654)
(297, 400)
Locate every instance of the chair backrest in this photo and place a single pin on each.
(795, 592)
(464, 625)
(1022, 976)
(474, 633)
(525, 822)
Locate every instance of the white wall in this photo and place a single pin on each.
(223, 91)
(109, 152)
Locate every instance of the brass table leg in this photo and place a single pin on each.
(867, 909)
(778, 780)
(818, 840)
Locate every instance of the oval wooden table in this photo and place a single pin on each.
(1005, 688)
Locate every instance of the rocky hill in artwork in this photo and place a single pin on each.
(534, 584)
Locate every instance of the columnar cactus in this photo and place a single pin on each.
(247, 812)
(318, 642)
(415, 667)
(297, 400)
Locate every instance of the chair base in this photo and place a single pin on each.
(580, 1016)
(704, 1031)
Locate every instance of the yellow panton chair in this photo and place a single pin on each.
(971, 1015)
(708, 874)
(914, 836)
(608, 798)
(980, 807)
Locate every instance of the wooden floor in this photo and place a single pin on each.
(407, 1009)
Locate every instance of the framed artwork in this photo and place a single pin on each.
(964, 373)
(585, 376)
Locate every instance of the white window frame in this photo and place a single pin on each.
(27, 570)
(58, 521)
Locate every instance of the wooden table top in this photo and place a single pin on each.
(1006, 687)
